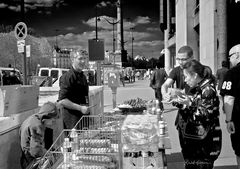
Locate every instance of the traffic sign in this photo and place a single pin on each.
(96, 49)
(28, 51)
(20, 31)
(20, 45)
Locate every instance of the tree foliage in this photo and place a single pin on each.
(41, 52)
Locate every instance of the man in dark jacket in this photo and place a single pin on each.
(73, 93)
(157, 79)
(33, 133)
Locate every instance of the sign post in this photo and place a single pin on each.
(20, 32)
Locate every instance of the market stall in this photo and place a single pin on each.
(134, 141)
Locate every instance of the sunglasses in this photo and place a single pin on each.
(182, 59)
(233, 54)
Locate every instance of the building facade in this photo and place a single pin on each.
(205, 25)
(210, 27)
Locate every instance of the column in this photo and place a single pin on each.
(221, 6)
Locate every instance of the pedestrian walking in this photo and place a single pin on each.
(73, 93)
(199, 127)
(122, 78)
(221, 73)
(231, 98)
(157, 79)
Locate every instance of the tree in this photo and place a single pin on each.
(41, 51)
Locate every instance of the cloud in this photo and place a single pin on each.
(2, 5)
(148, 43)
(15, 8)
(157, 29)
(102, 22)
(142, 20)
(70, 28)
(31, 4)
(106, 4)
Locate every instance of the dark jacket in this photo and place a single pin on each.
(220, 76)
(32, 133)
(158, 78)
(73, 86)
(203, 113)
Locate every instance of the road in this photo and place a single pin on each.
(142, 90)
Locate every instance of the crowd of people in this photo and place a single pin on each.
(197, 120)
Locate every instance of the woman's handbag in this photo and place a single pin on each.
(195, 130)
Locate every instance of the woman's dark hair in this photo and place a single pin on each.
(194, 66)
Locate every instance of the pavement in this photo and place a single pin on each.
(142, 90)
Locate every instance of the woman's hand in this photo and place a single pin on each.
(230, 127)
(185, 100)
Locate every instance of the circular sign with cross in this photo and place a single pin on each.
(20, 31)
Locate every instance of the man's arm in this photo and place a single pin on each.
(228, 108)
(165, 86)
(74, 106)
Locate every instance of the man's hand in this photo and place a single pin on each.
(167, 97)
(230, 127)
(85, 110)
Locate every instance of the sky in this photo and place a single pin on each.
(70, 23)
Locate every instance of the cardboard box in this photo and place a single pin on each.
(17, 98)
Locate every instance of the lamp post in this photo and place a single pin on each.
(96, 20)
(132, 44)
(98, 62)
(22, 11)
(113, 24)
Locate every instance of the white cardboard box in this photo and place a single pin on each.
(18, 98)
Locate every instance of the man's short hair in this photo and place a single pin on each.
(186, 49)
(224, 63)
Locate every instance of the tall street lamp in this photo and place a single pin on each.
(132, 44)
(113, 24)
(96, 21)
(98, 62)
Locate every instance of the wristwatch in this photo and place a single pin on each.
(228, 121)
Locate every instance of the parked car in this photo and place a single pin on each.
(5, 73)
(52, 75)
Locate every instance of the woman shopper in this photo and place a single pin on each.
(199, 128)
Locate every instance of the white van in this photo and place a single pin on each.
(55, 73)
(7, 70)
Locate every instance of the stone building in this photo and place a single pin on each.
(208, 26)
